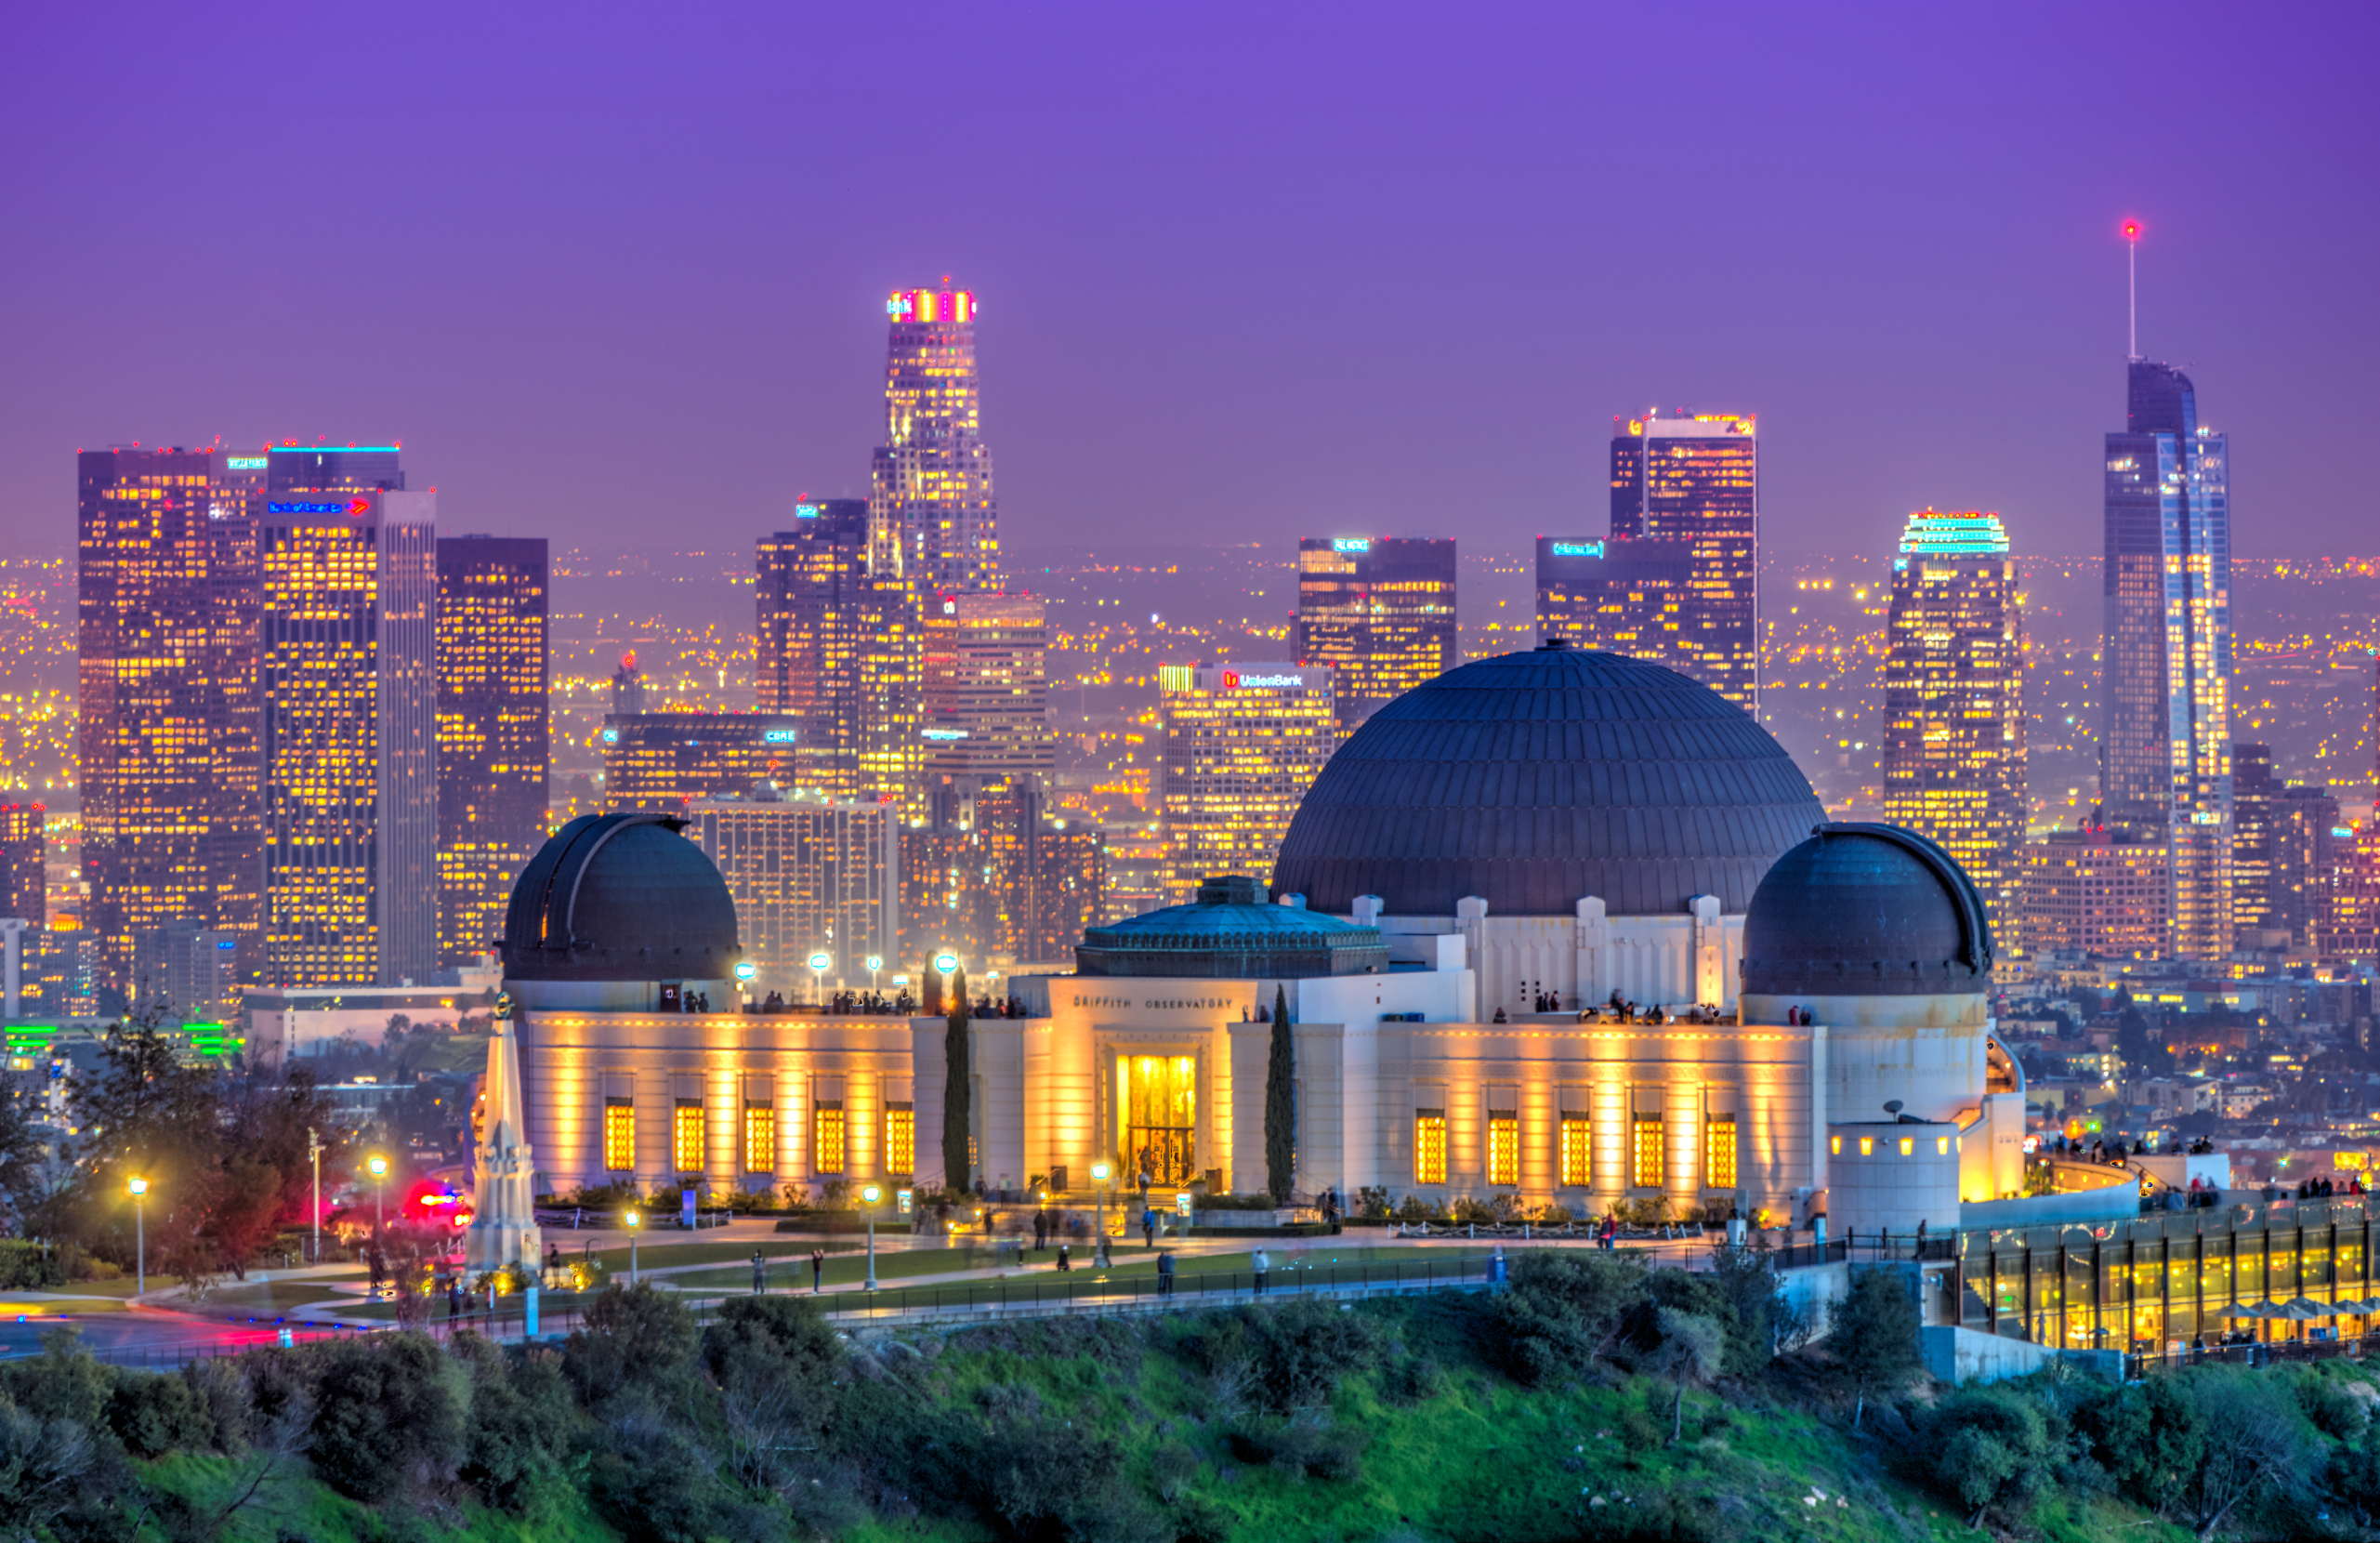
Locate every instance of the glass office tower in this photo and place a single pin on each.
(1242, 744)
(168, 737)
(2166, 752)
(349, 690)
(1954, 721)
(937, 522)
(1378, 611)
(1696, 479)
(1619, 596)
(494, 750)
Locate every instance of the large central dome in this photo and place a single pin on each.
(1537, 779)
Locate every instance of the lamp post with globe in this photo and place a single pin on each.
(818, 964)
(139, 1188)
(745, 971)
(869, 1195)
(1099, 1173)
(876, 962)
(633, 1219)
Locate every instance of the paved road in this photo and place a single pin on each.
(168, 1339)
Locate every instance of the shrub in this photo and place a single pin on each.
(521, 1420)
(1874, 1335)
(65, 1382)
(222, 1393)
(634, 1336)
(2328, 1404)
(1564, 1309)
(1301, 1447)
(2149, 1437)
(1295, 1353)
(386, 1417)
(154, 1413)
(1042, 1479)
(660, 1488)
(1988, 1446)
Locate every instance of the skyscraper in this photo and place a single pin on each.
(1242, 744)
(24, 858)
(1696, 479)
(840, 653)
(1620, 596)
(2165, 753)
(348, 660)
(1954, 721)
(492, 733)
(936, 521)
(167, 738)
(985, 693)
(1379, 613)
(808, 876)
(662, 762)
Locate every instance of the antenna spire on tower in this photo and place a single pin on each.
(2131, 285)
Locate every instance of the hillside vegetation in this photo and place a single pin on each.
(1593, 1400)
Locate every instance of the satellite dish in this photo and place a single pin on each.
(1893, 1107)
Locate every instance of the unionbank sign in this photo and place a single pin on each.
(1234, 681)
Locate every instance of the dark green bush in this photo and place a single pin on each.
(634, 1337)
(660, 1488)
(2333, 1410)
(2149, 1437)
(386, 1416)
(1565, 1307)
(522, 1417)
(65, 1382)
(1988, 1446)
(154, 1413)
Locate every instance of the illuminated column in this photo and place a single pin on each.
(504, 1222)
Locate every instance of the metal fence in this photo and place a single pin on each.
(2352, 1347)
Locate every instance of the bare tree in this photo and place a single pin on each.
(1692, 1350)
(43, 1464)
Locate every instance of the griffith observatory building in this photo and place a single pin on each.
(1521, 837)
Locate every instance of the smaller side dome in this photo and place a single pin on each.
(620, 898)
(1866, 910)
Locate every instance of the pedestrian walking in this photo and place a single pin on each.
(759, 1274)
(1041, 1231)
(1610, 1228)
(1261, 1264)
(817, 1271)
(553, 1260)
(1149, 1226)
(1165, 1273)
(454, 1297)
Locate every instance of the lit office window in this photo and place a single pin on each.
(686, 1136)
(1649, 1153)
(1504, 1146)
(828, 1136)
(759, 1137)
(900, 1139)
(1578, 1151)
(619, 1135)
(1429, 1146)
(1718, 1153)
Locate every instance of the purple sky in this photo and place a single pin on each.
(615, 275)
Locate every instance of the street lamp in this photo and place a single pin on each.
(139, 1188)
(633, 1218)
(818, 967)
(379, 1166)
(1100, 1172)
(314, 1152)
(876, 962)
(869, 1195)
(744, 974)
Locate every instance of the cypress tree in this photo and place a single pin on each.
(1281, 1104)
(958, 1087)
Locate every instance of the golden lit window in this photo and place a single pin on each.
(1649, 1154)
(900, 1140)
(1504, 1146)
(686, 1136)
(1718, 1153)
(1867, 1146)
(759, 1137)
(1429, 1146)
(619, 1135)
(1835, 1145)
(1942, 1145)
(1908, 1146)
(1578, 1149)
(827, 1137)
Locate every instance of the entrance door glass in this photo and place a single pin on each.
(1160, 1117)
